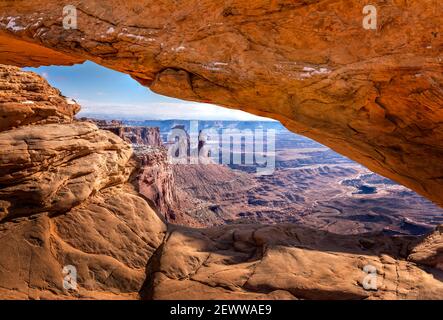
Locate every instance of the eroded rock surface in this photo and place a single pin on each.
(373, 95)
(142, 136)
(285, 262)
(429, 250)
(26, 99)
(156, 180)
(55, 163)
(55, 167)
(108, 239)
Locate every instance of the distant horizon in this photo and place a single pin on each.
(120, 118)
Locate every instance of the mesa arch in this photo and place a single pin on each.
(374, 96)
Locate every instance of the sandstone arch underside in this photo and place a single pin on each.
(375, 96)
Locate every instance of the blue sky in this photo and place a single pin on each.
(106, 93)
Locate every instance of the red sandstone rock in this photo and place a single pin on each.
(284, 261)
(25, 98)
(108, 239)
(429, 250)
(156, 179)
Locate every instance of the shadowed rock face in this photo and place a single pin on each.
(139, 136)
(373, 95)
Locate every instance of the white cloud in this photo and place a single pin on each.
(164, 110)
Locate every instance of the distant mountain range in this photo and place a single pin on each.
(166, 125)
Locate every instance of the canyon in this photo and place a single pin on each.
(70, 193)
(311, 185)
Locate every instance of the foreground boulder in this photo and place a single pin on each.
(285, 262)
(55, 167)
(108, 239)
(374, 95)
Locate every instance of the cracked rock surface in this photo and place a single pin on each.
(284, 262)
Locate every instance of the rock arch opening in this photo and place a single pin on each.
(298, 181)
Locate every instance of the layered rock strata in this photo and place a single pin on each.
(287, 262)
(142, 136)
(25, 99)
(156, 180)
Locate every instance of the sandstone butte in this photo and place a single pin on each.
(373, 95)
